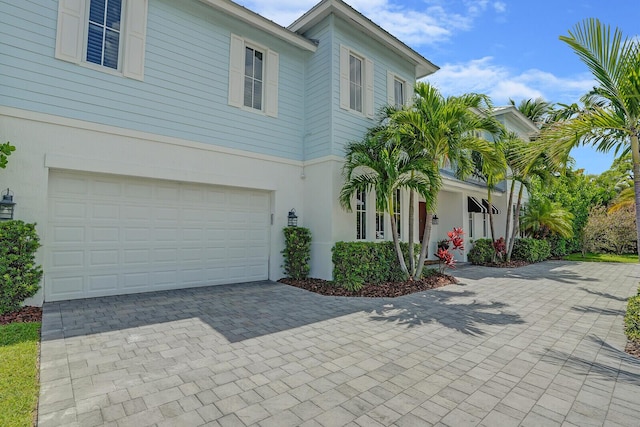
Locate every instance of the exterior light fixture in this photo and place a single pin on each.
(292, 219)
(435, 220)
(7, 205)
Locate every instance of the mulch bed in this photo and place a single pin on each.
(510, 264)
(24, 315)
(633, 348)
(381, 290)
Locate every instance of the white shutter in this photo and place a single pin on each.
(344, 77)
(391, 80)
(135, 22)
(70, 31)
(368, 94)
(271, 93)
(236, 72)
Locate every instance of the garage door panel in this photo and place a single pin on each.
(112, 234)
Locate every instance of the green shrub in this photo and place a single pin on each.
(19, 275)
(632, 319)
(559, 246)
(481, 252)
(531, 250)
(357, 263)
(297, 252)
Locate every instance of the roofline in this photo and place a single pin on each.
(424, 67)
(262, 23)
(523, 119)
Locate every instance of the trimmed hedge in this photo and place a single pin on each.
(481, 252)
(531, 250)
(357, 263)
(297, 252)
(19, 274)
(632, 318)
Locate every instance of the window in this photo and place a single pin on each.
(356, 82)
(396, 211)
(396, 90)
(103, 34)
(484, 225)
(361, 215)
(379, 225)
(253, 71)
(103, 40)
(253, 76)
(471, 224)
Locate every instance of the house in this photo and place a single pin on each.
(162, 144)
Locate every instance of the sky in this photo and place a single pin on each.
(507, 49)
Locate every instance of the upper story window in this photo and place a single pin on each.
(396, 90)
(356, 82)
(103, 40)
(107, 35)
(253, 76)
(253, 83)
(361, 215)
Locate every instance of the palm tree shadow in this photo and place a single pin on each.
(550, 270)
(598, 310)
(445, 308)
(603, 294)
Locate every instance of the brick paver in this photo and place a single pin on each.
(538, 345)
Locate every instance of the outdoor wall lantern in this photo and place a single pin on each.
(292, 219)
(7, 205)
(435, 220)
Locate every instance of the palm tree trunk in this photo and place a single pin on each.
(509, 214)
(490, 209)
(412, 257)
(425, 246)
(635, 155)
(396, 244)
(516, 223)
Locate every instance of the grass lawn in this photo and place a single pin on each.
(630, 258)
(18, 373)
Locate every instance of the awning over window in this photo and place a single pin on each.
(473, 205)
(485, 204)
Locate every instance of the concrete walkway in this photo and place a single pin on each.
(539, 345)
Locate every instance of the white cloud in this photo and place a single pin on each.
(500, 7)
(501, 83)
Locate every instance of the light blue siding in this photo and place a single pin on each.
(185, 88)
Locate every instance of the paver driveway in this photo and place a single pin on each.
(539, 345)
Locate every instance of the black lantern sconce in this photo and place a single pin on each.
(292, 219)
(7, 206)
(435, 220)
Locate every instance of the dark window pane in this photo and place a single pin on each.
(94, 45)
(258, 68)
(114, 8)
(248, 62)
(248, 91)
(112, 42)
(257, 95)
(96, 11)
(358, 99)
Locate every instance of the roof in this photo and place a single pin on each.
(262, 23)
(524, 120)
(339, 8)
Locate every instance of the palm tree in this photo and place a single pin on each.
(445, 133)
(382, 165)
(537, 110)
(612, 118)
(625, 199)
(543, 217)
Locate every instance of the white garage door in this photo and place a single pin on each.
(110, 235)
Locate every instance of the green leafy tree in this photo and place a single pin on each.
(610, 231)
(611, 117)
(5, 151)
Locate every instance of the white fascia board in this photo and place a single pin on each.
(424, 67)
(262, 23)
(514, 112)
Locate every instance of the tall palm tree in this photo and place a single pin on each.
(382, 165)
(537, 110)
(612, 120)
(445, 133)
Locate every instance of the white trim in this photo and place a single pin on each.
(261, 23)
(129, 133)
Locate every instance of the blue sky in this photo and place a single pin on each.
(504, 48)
